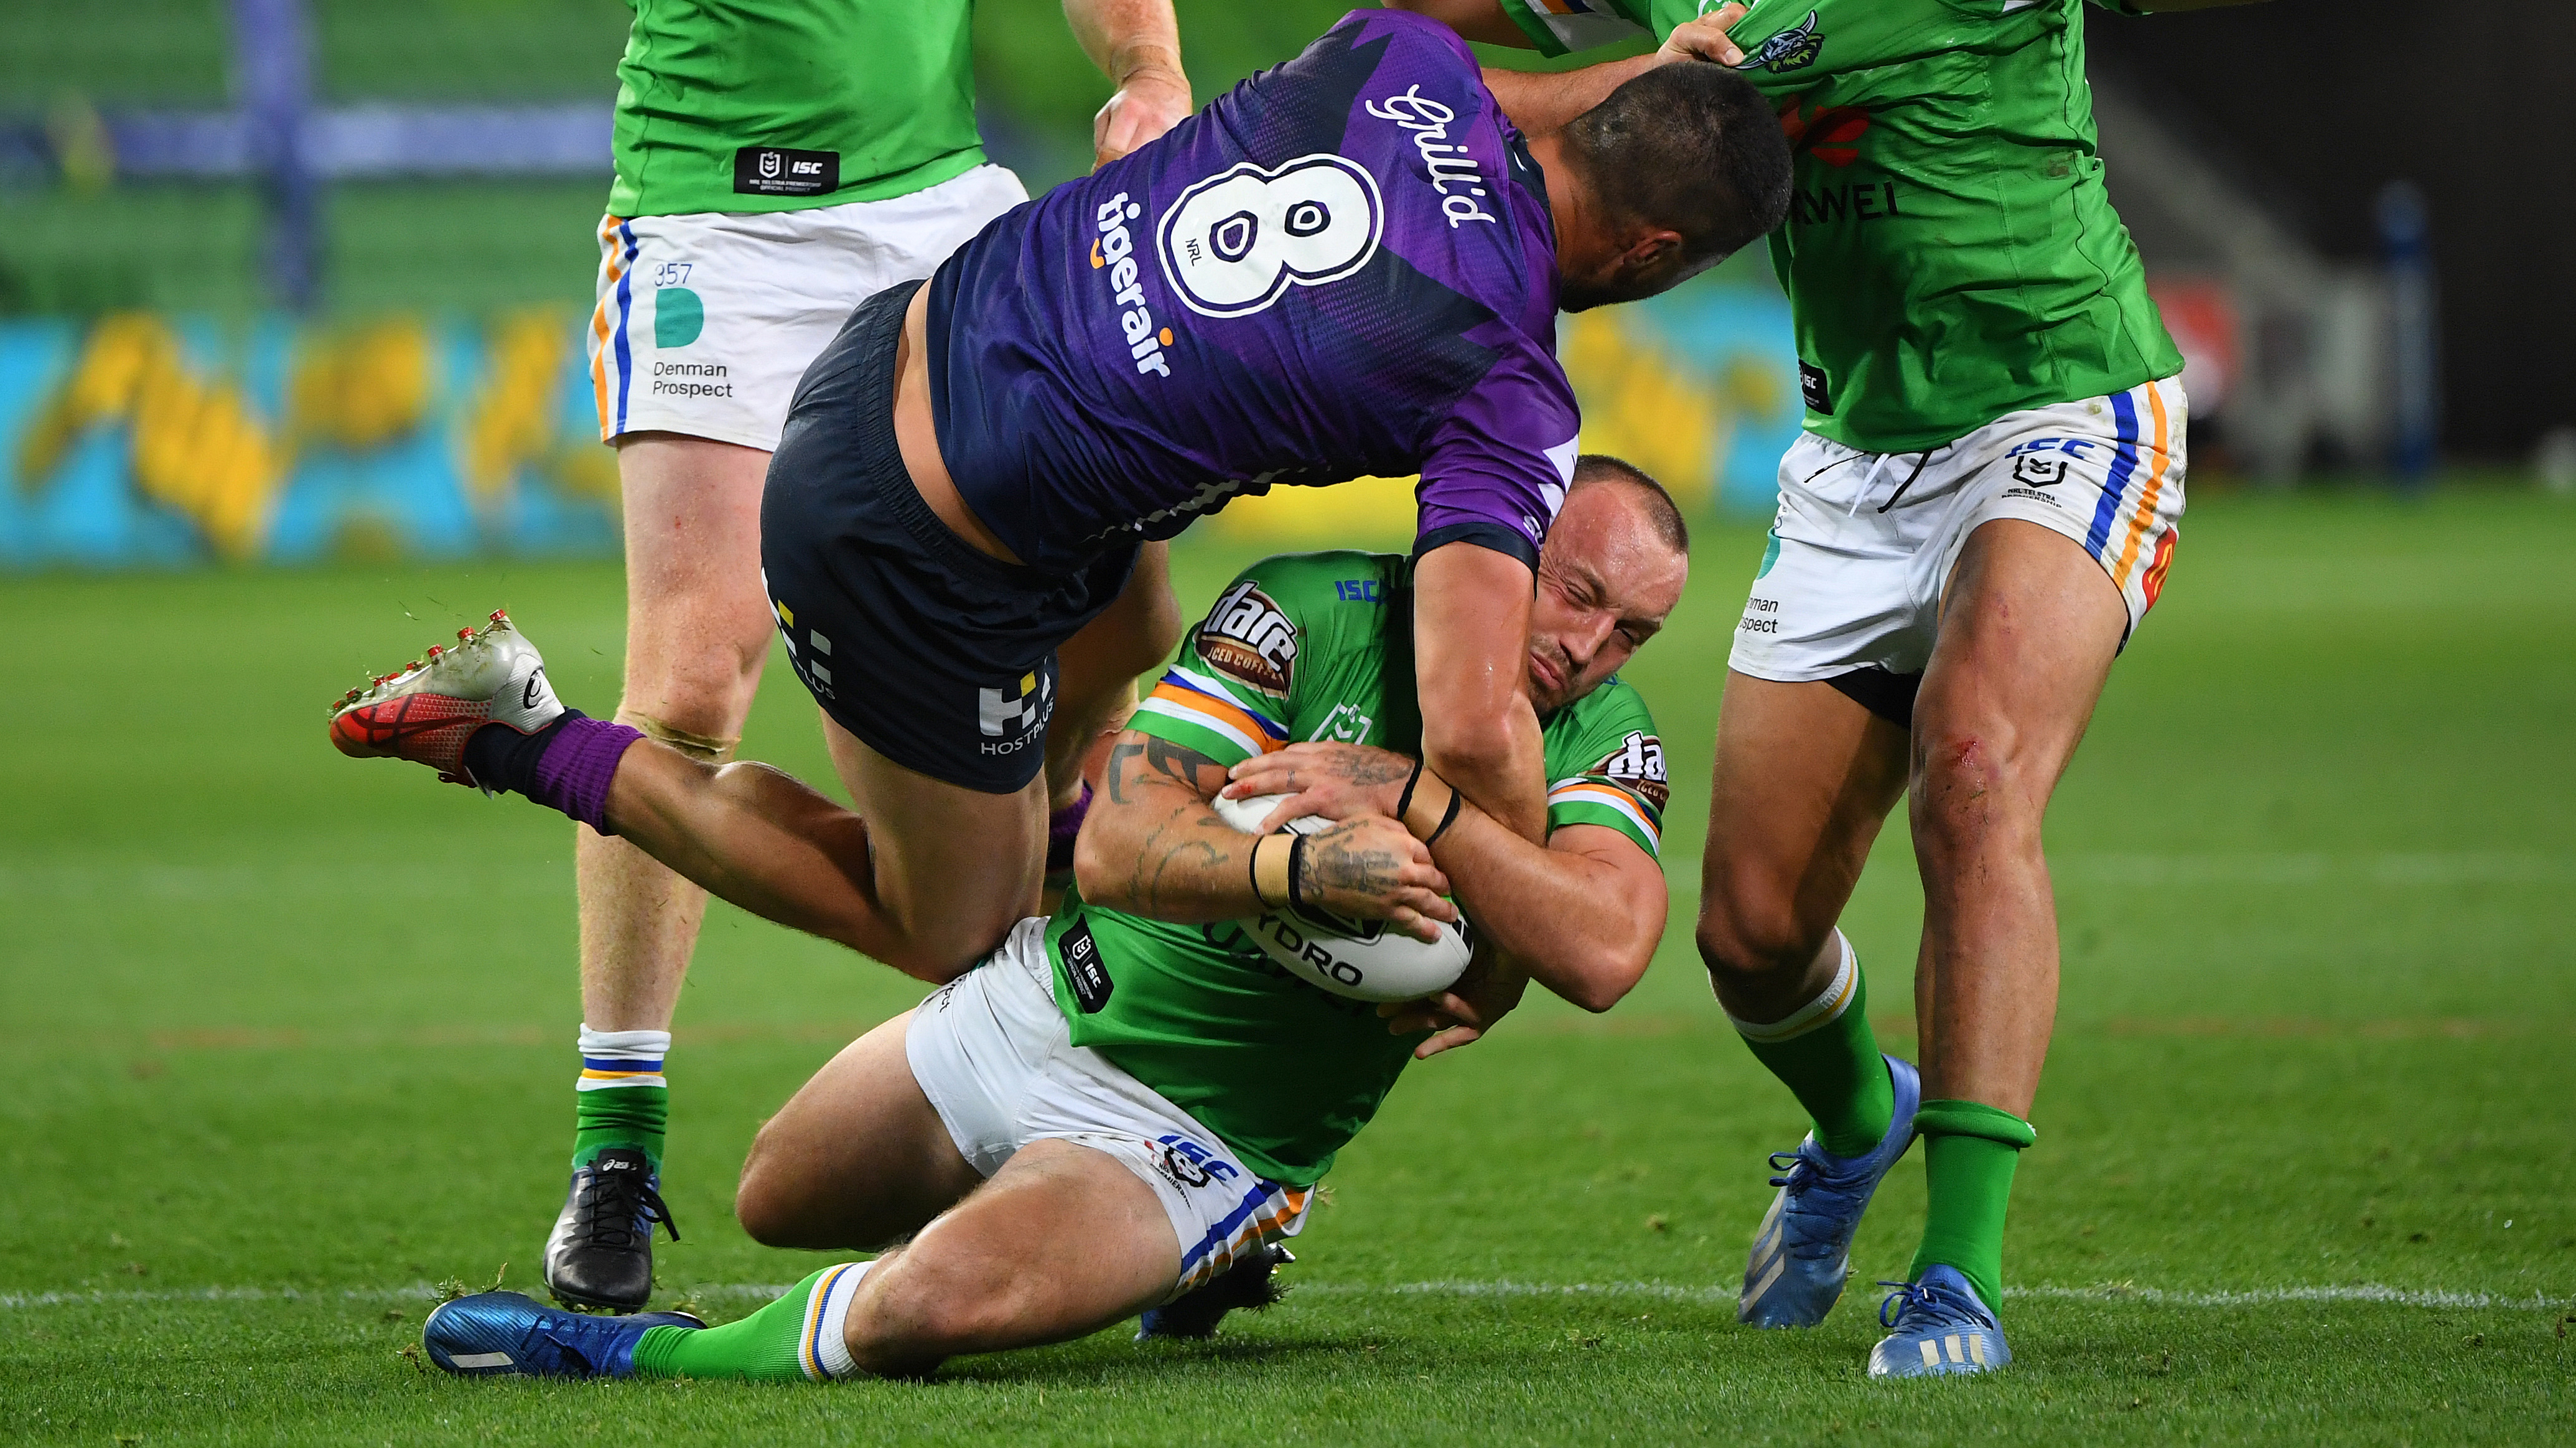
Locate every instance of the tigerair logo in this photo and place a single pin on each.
(1793, 49)
(1114, 251)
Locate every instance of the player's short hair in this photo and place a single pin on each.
(1662, 512)
(1690, 145)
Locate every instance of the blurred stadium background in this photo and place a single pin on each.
(296, 279)
(2307, 1174)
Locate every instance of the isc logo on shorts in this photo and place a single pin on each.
(1189, 1164)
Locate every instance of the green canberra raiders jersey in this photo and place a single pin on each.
(778, 105)
(1302, 647)
(1950, 253)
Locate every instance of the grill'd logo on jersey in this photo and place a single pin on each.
(1114, 249)
(1793, 49)
(1235, 242)
(1637, 766)
(1448, 163)
(1248, 639)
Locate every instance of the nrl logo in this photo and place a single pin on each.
(1793, 49)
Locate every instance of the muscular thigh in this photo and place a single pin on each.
(1804, 778)
(955, 868)
(2030, 624)
(857, 1157)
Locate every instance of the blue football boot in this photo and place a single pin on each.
(497, 1334)
(1935, 1327)
(1195, 1313)
(1802, 1251)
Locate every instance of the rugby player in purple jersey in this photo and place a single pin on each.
(1349, 265)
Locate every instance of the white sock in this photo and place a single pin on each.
(1824, 1009)
(829, 1316)
(611, 1059)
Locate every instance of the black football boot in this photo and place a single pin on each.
(601, 1253)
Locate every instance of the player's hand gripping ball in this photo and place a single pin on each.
(1362, 959)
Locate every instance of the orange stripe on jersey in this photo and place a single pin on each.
(2145, 508)
(599, 318)
(1222, 711)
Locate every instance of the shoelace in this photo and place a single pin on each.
(613, 1202)
(1943, 1305)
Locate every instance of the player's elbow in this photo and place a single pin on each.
(1094, 874)
(1608, 963)
(1607, 973)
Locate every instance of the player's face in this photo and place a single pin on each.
(1606, 583)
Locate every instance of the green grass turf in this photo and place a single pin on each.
(289, 1037)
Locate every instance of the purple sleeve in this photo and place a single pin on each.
(1500, 463)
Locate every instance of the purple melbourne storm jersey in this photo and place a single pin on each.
(1343, 267)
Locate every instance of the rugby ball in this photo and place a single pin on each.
(1365, 960)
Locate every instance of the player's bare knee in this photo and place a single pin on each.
(1969, 795)
(766, 1201)
(1749, 930)
(1751, 952)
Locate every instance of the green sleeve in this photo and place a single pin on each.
(1226, 692)
(1605, 766)
(1561, 27)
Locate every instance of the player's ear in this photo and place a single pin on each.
(1653, 259)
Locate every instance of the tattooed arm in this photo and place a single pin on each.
(1581, 914)
(1153, 847)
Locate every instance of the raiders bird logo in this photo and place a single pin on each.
(1793, 49)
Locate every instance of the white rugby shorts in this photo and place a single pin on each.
(1864, 543)
(706, 321)
(992, 1052)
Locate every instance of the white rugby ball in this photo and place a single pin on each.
(1365, 960)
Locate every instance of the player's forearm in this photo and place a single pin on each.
(1580, 925)
(1540, 102)
(1154, 847)
(1123, 37)
(1496, 760)
(1471, 677)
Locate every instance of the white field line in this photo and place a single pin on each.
(356, 880)
(2373, 1293)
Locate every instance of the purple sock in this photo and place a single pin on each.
(1062, 826)
(574, 773)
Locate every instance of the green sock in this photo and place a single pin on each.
(790, 1340)
(1969, 1151)
(623, 1098)
(1828, 1057)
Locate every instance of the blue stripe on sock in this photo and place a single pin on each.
(605, 1063)
(2124, 466)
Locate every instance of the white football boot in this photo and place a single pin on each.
(426, 712)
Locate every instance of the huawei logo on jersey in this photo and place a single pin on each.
(1829, 133)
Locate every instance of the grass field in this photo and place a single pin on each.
(289, 1039)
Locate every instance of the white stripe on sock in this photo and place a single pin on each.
(1823, 1010)
(831, 1327)
(625, 1045)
